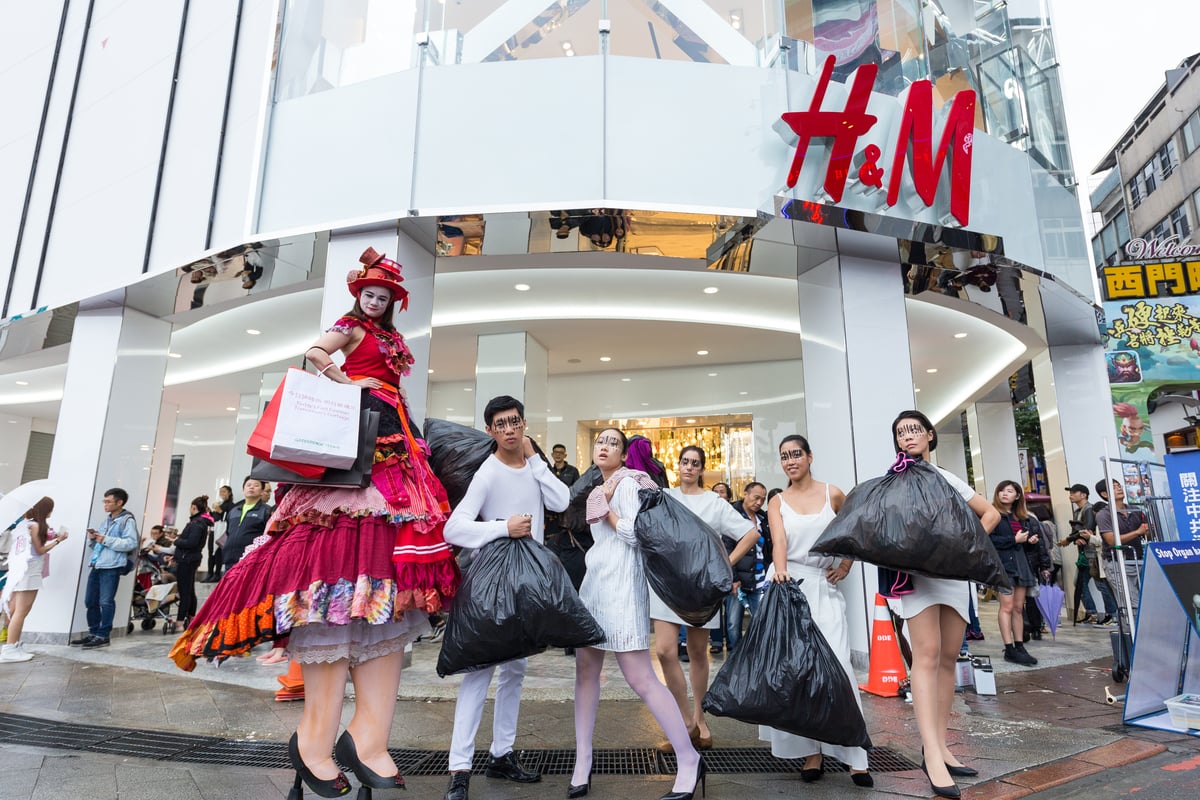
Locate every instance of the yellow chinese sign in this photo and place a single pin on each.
(1141, 324)
(1134, 281)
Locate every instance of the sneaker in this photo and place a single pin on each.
(1089, 619)
(1030, 660)
(11, 653)
(87, 637)
(1108, 620)
(95, 642)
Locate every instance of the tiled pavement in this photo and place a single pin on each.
(1047, 732)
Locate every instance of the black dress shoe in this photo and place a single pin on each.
(574, 791)
(862, 779)
(457, 790)
(95, 642)
(961, 772)
(87, 637)
(508, 767)
(334, 787)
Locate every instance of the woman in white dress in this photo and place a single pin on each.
(936, 614)
(615, 592)
(725, 520)
(26, 580)
(796, 517)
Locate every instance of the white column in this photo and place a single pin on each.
(993, 445)
(415, 324)
(517, 365)
(857, 377)
(110, 408)
(161, 449)
(951, 452)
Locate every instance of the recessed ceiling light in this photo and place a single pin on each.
(960, 336)
(574, 361)
(22, 383)
(12, 422)
(931, 370)
(187, 424)
(253, 332)
(917, 390)
(689, 421)
(566, 45)
(430, 370)
(230, 408)
(521, 287)
(626, 380)
(711, 290)
(743, 393)
(468, 389)
(701, 352)
(645, 404)
(606, 359)
(174, 355)
(712, 374)
(449, 409)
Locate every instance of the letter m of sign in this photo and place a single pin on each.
(915, 141)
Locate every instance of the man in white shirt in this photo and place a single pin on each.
(506, 498)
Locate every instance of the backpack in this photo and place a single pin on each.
(131, 557)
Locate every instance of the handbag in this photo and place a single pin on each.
(357, 476)
(259, 444)
(317, 421)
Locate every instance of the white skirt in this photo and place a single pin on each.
(660, 610)
(936, 592)
(829, 612)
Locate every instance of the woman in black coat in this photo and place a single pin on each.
(189, 549)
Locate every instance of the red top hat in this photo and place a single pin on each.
(378, 270)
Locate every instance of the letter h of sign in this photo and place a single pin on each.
(844, 127)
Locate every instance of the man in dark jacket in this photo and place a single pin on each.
(245, 521)
(750, 570)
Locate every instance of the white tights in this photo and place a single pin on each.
(639, 674)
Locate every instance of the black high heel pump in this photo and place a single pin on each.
(701, 771)
(950, 791)
(331, 788)
(574, 791)
(347, 753)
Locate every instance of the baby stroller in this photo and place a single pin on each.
(154, 592)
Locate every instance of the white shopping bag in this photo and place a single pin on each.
(318, 421)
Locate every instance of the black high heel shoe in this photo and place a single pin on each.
(701, 771)
(960, 771)
(950, 791)
(813, 774)
(331, 788)
(574, 791)
(347, 753)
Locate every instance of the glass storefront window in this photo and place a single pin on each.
(857, 32)
(326, 44)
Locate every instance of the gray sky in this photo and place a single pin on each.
(1113, 55)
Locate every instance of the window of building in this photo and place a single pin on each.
(1123, 235)
(1168, 159)
(1135, 191)
(1149, 178)
(1108, 238)
(1191, 133)
(1179, 223)
(1097, 253)
(1161, 230)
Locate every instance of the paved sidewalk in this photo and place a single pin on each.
(1047, 727)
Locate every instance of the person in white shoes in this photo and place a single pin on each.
(506, 498)
(30, 543)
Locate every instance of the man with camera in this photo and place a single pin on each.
(1083, 535)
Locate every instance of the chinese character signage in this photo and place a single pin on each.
(1135, 281)
(1183, 473)
(914, 143)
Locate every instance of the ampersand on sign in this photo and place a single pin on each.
(871, 174)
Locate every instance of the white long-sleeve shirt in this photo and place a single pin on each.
(498, 492)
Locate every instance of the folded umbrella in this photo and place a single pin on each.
(1050, 602)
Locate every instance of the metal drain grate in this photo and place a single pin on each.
(166, 746)
(748, 760)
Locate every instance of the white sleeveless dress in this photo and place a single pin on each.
(828, 611)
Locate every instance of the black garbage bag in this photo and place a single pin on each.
(576, 513)
(784, 674)
(913, 520)
(686, 564)
(516, 601)
(455, 453)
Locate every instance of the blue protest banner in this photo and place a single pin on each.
(1183, 474)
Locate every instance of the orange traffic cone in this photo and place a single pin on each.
(292, 682)
(887, 666)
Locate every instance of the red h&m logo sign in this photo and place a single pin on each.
(914, 141)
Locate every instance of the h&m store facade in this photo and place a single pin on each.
(709, 223)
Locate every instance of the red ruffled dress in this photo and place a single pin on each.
(342, 573)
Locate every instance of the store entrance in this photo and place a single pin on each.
(727, 441)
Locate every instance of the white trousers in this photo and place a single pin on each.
(468, 710)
